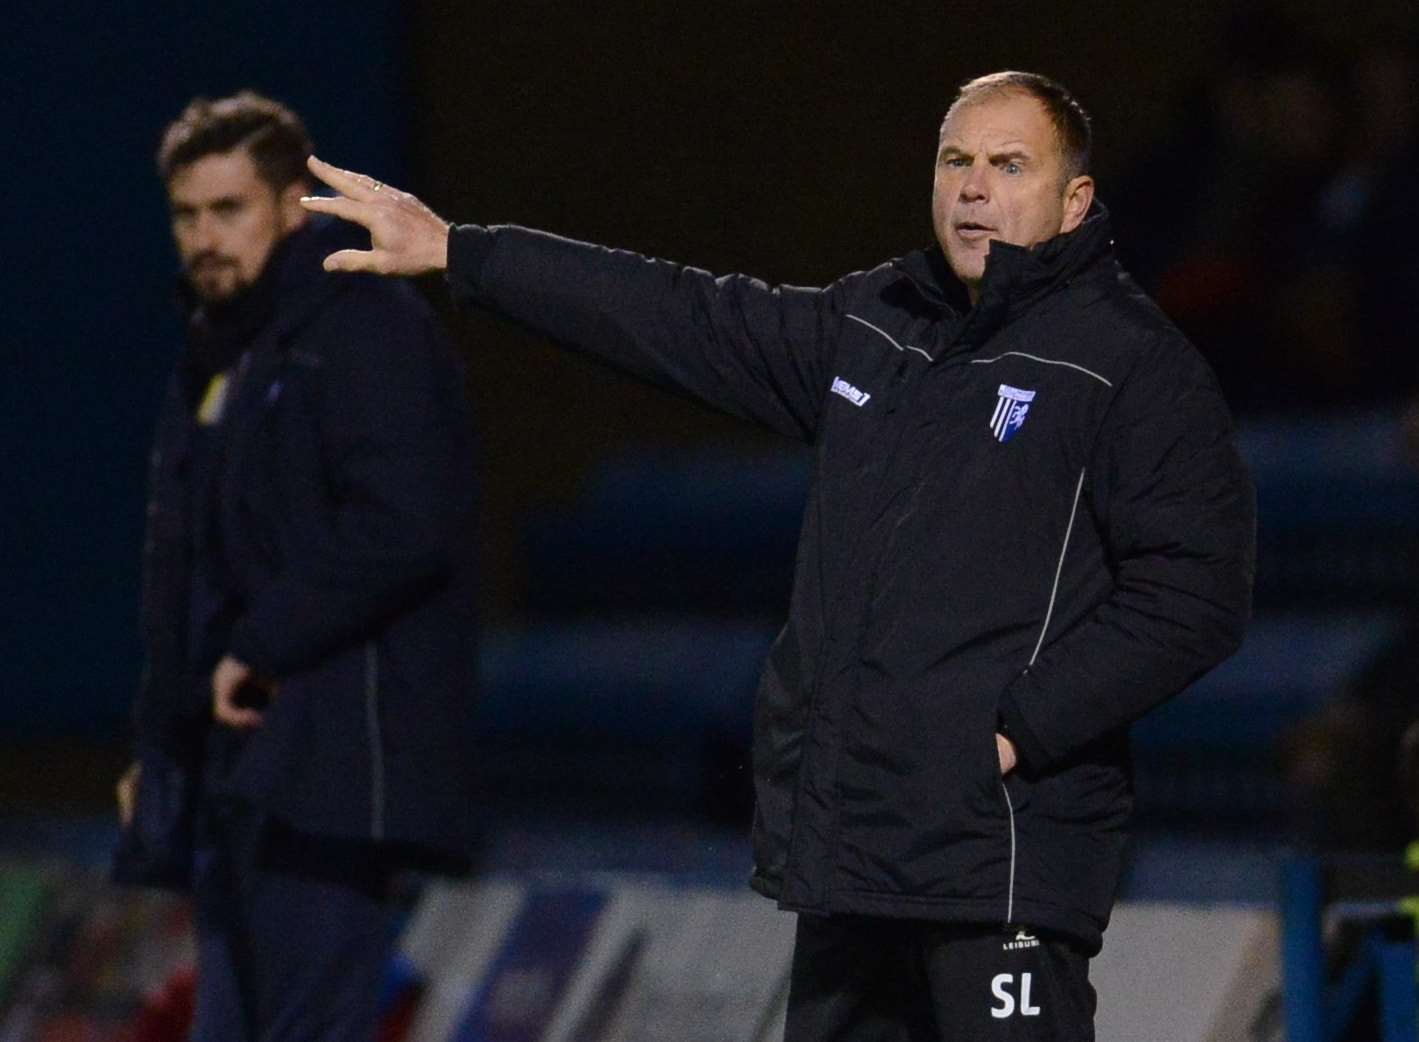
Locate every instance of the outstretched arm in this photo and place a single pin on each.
(735, 343)
(406, 237)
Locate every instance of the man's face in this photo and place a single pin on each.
(226, 220)
(1000, 175)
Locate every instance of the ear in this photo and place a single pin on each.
(1078, 197)
(288, 205)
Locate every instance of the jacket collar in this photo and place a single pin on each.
(292, 286)
(1015, 278)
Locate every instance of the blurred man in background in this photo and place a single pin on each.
(1028, 526)
(308, 599)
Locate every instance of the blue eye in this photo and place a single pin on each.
(1012, 168)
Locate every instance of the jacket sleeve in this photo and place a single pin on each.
(1177, 512)
(737, 344)
(394, 433)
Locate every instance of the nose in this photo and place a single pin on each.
(203, 232)
(975, 188)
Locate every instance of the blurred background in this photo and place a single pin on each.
(1262, 167)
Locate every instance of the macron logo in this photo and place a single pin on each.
(848, 391)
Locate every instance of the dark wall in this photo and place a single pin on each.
(789, 140)
(792, 141)
(90, 329)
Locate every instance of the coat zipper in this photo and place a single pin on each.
(376, 741)
(832, 624)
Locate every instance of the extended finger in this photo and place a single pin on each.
(346, 182)
(345, 209)
(355, 260)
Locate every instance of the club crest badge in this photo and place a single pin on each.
(1010, 410)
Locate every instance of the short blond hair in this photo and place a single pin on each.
(1071, 123)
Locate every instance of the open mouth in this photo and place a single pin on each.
(973, 230)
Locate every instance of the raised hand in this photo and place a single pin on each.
(406, 237)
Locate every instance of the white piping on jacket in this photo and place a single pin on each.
(890, 340)
(1049, 613)
(1010, 898)
(1059, 568)
(1037, 358)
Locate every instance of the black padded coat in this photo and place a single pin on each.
(1027, 516)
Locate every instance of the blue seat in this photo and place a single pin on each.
(1209, 752)
(709, 531)
(1338, 511)
(632, 716)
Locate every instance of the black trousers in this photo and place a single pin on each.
(866, 979)
(293, 932)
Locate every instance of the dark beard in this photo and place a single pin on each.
(230, 291)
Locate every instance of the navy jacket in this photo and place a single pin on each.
(346, 509)
(1027, 516)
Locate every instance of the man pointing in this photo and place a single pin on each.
(1028, 526)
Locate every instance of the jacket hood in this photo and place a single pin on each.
(1015, 277)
